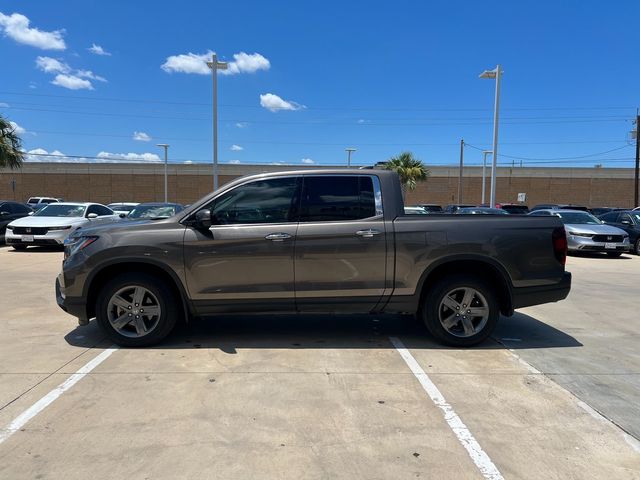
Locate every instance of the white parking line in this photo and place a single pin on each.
(479, 457)
(21, 420)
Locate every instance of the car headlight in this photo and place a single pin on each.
(55, 229)
(580, 234)
(73, 245)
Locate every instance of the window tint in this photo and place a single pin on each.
(100, 210)
(19, 208)
(610, 217)
(337, 198)
(262, 201)
(48, 200)
(7, 207)
(625, 216)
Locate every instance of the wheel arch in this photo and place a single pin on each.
(484, 268)
(101, 276)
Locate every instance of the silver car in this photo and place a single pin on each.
(586, 233)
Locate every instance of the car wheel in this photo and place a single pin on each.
(19, 247)
(614, 254)
(637, 247)
(136, 310)
(461, 310)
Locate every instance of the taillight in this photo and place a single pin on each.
(559, 239)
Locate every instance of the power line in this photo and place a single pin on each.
(557, 158)
(345, 108)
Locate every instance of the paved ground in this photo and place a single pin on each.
(289, 397)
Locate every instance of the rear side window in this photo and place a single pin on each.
(19, 208)
(337, 198)
(7, 207)
(610, 217)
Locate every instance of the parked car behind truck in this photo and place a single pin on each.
(312, 242)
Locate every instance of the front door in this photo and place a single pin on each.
(341, 247)
(244, 261)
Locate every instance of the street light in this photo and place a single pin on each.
(349, 150)
(166, 147)
(497, 74)
(215, 65)
(484, 174)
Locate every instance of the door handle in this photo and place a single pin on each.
(367, 233)
(277, 237)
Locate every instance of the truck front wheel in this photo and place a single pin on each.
(136, 310)
(460, 310)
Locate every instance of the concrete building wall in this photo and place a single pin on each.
(105, 183)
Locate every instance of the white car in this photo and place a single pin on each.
(122, 207)
(54, 223)
(36, 203)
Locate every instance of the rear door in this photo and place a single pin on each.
(244, 261)
(340, 248)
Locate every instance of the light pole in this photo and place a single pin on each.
(215, 65)
(484, 173)
(349, 150)
(497, 74)
(166, 148)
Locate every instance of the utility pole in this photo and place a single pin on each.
(636, 202)
(215, 65)
(166, 147)
(349, 152)
(460, 173)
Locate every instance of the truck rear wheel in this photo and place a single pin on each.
(136, 310)
(460, 310)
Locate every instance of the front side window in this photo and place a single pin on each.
(339, 198)
(262, 201)
(610, 217)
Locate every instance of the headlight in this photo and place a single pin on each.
(73, 245)
(579, 234)
(54, 229)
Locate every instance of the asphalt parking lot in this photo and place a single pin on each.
(554, 394)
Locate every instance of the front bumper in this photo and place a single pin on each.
(52, 238)
(586, 244)
(75, 306)
(529, 296)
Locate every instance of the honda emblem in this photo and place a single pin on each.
(609, 238)
(28, 230)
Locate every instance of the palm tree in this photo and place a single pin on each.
(11, 154)
(409, 169)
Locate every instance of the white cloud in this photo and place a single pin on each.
(98, 50)
(187, 63)
(151, 157)
(141, 137)
(33, 85)
(234, 162)
(242, 124)
(71, 82)
(41, 155)
(246, 63)
(362, 120)
(16, 27)
(5, 105)
(89, 74)
(51, 65)
(17, 128)
(307, 161)
(197, 63)
(274, 103)
(236, 148)
(66, 76)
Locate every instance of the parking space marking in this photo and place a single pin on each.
(22, 419)
(480, 458)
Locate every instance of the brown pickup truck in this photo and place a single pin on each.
(325, 241)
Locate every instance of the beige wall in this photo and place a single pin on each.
(105, 183)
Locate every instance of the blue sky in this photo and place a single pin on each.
(382, 77)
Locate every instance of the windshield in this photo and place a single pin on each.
(120, 207)
(57, 210)
(152, 211)
(578, 217)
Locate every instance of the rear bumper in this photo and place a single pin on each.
(529, 296)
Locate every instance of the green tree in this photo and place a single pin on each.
(409, 169)
(11, 154)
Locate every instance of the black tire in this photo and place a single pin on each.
(614, 254)
(19, 247)
(433, 306)
(163, 324)
(637, 247)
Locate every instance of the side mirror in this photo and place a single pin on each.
(91, 216)
(203, 219)
(122, 215)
